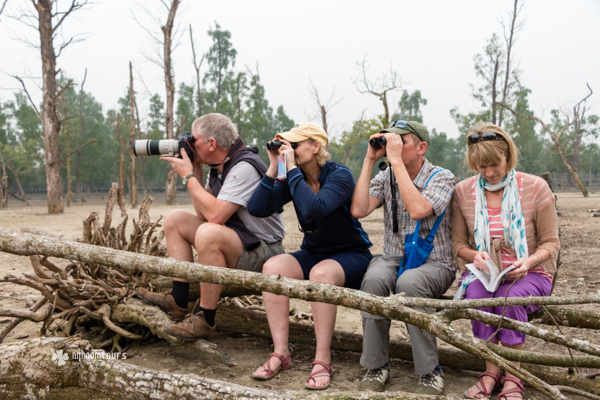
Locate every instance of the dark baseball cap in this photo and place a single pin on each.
(403, 127)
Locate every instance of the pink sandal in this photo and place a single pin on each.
(519, 389)
(327, 370)
(482, 388)
(285, 364)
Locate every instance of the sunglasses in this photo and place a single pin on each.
(483, 136)
(404, 124)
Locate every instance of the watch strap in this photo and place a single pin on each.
(186, 178)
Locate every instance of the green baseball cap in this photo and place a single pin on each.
(403, 127)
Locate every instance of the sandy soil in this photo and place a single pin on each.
(579, 274)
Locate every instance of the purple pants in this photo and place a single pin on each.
(532, 285)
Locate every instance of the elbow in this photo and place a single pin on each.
(356, 212)
(416, 215)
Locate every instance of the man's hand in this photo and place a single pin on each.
(375, 153)
(182, 166)
(394, 148)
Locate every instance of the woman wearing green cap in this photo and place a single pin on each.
(335, 248)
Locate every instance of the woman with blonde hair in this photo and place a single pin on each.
(507, 217)
(335, 248)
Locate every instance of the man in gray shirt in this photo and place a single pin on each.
(222, 231)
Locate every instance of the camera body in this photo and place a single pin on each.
(166, 147)
(276, 144)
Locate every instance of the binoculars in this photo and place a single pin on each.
(377, 142)
(276, 144)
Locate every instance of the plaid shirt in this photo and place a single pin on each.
(438, 193)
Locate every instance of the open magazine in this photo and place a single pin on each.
(491, 280)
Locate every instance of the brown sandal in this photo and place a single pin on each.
(519, 389)
(285, 364)
(482, 388)
(327, 370)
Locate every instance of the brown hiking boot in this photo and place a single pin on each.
(192, 328)
(164, 301)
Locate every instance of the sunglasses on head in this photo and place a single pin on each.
(404, 124)
(483, 136)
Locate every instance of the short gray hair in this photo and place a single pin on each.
(218, 127)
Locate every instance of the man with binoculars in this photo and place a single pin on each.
(415, 193)
(222, 230)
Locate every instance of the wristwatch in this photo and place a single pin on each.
(186, 178)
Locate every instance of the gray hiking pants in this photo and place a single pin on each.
(430, 280)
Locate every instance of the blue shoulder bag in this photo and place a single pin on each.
(416, 249)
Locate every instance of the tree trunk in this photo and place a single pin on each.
(68, 150)
(132, 158)
(78, 185)
(390, 307)
(171, 184)
(122, 159)
(54, 183)
(4, 188)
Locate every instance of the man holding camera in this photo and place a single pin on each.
(408, 195)
(222, 231)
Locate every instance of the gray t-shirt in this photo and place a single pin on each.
(239, 185)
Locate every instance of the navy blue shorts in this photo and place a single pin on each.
(354, 264)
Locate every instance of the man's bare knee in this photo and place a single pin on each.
(273, 266)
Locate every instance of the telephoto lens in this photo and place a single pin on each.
(166, 147)
(276, 144)
(378, 142)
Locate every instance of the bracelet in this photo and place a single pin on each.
(295, 166)
(539, 258)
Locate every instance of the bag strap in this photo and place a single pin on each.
(437, 221)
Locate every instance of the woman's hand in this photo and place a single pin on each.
(522, 266)
(286, 149)
(273, 156)
(479, 261)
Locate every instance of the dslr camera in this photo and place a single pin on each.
(166, 147)
(276, 144)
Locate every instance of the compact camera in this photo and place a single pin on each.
(166, 147)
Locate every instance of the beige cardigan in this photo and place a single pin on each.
(541, 222)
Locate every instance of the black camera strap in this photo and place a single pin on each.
(232, 152)
(394, 201)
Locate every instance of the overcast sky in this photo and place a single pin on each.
(431, 43)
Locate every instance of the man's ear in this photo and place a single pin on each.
(422, 148)
(212, 144)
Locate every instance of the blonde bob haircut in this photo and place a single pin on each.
(323, 155)
(489, 152)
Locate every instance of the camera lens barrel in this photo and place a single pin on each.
(378, 142)
(167, 147)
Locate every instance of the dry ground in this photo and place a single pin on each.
(579, 274)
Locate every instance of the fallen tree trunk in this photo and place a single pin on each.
(390, 307)
(32, 369)
(136, 311)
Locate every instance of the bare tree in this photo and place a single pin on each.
(379, 87)
(171, 187)
(197, 66)
(322, 109)
(510, 39)
(578, 113)
(4, 184)
(133, 189)
(163, 60)
(78, 185)
(122, 158)
(65, 125)
(47, 21)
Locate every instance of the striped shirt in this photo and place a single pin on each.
(438, 193)
(541, 223)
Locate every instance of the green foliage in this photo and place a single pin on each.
(351, 147)
(410, 107)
